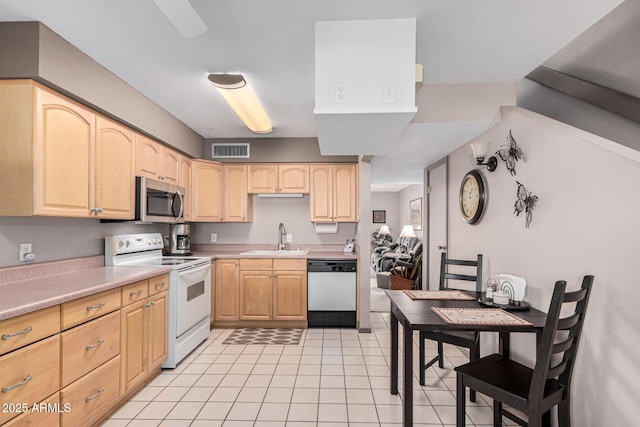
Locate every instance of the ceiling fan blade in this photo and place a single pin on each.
(183, 16)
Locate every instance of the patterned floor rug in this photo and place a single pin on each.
(264, 336)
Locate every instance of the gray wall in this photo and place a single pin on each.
(279, 150)
(405, 196)
(585, 222)
(386, 201)
(60, 238)
(32, 50)
(294, 213)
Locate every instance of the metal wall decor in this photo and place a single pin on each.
(526, 202)
(511, 154)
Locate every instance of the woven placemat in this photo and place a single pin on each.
(265, 336)
(479, 316)
(448, 295)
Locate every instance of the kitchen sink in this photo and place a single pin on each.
(277, 252)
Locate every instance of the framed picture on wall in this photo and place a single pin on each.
(379, 217)
(415, 213)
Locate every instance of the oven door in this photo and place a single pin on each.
(193, 297)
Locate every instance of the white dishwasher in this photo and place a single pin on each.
(331, 293)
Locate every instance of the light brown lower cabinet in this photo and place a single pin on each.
(143, 340)
(42, 414)
(75, 374)
(91, 395)
(273, 289)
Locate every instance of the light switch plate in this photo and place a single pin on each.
(214, 237)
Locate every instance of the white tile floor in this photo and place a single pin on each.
(334, 377)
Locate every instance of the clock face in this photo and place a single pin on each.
(472, 196)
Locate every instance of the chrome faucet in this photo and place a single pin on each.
(282, 245)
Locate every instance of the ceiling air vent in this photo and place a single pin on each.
(229, 151)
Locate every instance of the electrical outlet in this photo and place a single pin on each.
(341, 93)
(214, 237)
(25, 248)
(289, 238)
(389, 93)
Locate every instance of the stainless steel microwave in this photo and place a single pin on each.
(158, 201)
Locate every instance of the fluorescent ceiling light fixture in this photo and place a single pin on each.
(183, 16)
(236, 91)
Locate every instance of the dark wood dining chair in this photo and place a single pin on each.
(532, 391)
(466, 339)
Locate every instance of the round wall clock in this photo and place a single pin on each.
(473, 196)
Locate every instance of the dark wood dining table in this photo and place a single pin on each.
(417, 315)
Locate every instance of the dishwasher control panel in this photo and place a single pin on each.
(331, 266)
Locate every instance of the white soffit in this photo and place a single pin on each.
(364, 84)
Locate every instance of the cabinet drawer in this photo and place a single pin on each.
(46, 415)
(158, 284)
(88, 346)
(22, 330)
(290, 264)
(256, 264)
(30, 374)
(135, 292)
(91, 395)
(87, 308)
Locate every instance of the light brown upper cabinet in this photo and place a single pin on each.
(206, 191)
(334, 192)
(238, 206)
(269, 178)
(115, 185)
(156, 161)
(56, 161)
(185, 182)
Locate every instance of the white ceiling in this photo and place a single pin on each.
(272, 42)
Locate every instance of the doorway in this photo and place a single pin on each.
(436, 177)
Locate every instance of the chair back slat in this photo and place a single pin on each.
(558, 369)
(563, 346)
(547, 347)
(445, 275)
(569, 322)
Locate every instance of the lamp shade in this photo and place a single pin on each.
(480, 149)
(407, 231)
(384, 229)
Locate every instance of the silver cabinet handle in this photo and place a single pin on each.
(99, 343)
(136, 293)
(22, 332)
(158, 285)
(150, 304)
(90, 398)
(93, 307)
(11, 387)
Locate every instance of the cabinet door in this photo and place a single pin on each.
(235, 193)
(115, 170)
(293, 178)
(133, 345)
(147, 157)
(63, 153)
(157, 312)
(263, 178)
(185, 182)
(321, 193)
(255, 295)
(169, 165)
(206, 191)
(226, 289)
(345, 193)
(290, 295)
(213, 292)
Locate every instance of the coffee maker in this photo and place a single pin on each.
(179, 240)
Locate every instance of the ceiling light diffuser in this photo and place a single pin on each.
(238, 94)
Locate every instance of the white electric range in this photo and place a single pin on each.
(189, 288)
